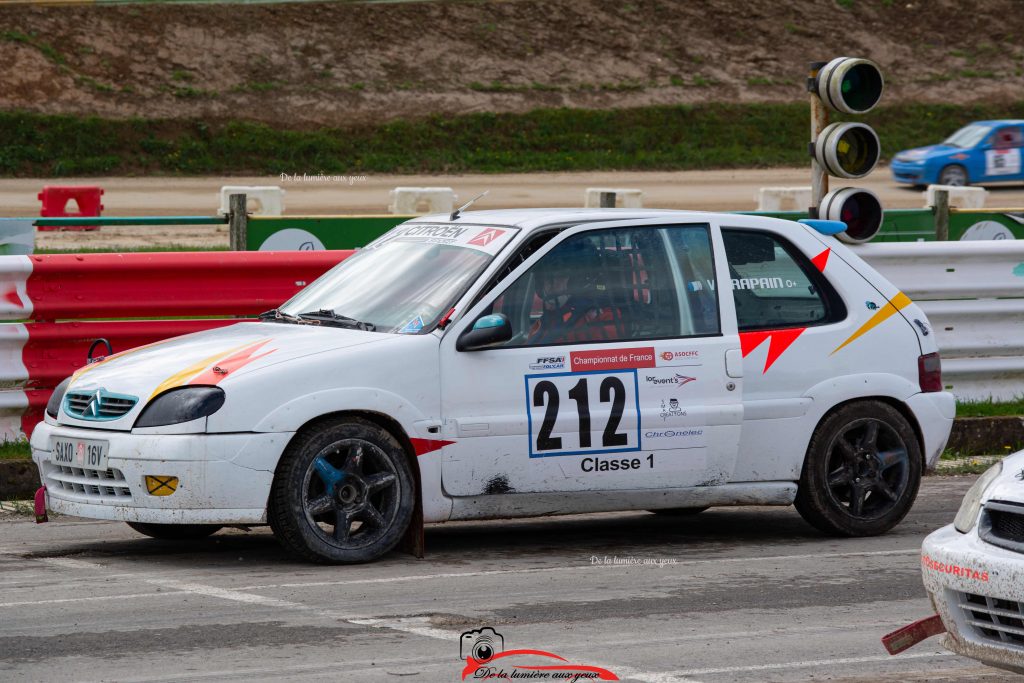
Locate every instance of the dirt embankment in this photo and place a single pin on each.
(300, 65)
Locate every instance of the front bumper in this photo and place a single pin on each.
(977, 589)
(913, 174)
(223, 478)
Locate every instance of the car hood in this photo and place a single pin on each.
(213, 357)
(919, 153)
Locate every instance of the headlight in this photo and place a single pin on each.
(181, 405)
(969, 509)
(53, 405)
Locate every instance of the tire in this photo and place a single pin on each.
(862, 471)
(343, 493)
(175, 532)
(954, 174)
(679, 512)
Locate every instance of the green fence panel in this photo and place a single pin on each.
(307, 233)
(986, 225)
(283, 233)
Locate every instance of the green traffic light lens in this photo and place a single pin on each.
(861, 87)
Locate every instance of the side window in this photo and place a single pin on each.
(1007, 137)
(615, 285)
(774, 285)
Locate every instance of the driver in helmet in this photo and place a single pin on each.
(577, 306)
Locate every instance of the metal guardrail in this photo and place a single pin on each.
(973, 295)
(65, 302)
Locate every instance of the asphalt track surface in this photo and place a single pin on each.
(746, 594)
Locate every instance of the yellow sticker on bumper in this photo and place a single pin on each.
(161, 484)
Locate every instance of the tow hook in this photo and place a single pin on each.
(40, 505)
(912, 634)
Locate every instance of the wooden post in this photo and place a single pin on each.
(941, 211)
(238, 222)
(607, 200)
(819, 119)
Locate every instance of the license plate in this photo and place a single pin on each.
(84, 453)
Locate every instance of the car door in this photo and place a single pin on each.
(615, 376)
(1002, 154)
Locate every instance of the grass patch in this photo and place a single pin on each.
(990, 408)
(676, 137)
(15, 450)
(49, 51)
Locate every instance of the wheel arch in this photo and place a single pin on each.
(901, 407)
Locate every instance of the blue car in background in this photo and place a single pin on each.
(980, 152)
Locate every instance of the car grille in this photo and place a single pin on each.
(93, 486)
(993, 619)
(107, 406)
(1002, 524)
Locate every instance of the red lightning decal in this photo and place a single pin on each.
(216, 373)
(780, 340)
(821, 259)
(424, 446)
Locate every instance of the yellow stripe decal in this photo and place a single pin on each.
(897, 303)
(183, 376)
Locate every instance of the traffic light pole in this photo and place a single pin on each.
(819, 119)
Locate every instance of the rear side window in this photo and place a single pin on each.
(774, 285)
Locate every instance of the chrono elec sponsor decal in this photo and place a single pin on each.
(954, 569)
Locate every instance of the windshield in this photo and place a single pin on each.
(403, 282)
(968, 136)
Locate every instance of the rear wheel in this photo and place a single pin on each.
(343, 493)
(862, 471)
(954, 174)
(175, 532)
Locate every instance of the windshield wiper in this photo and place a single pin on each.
(277, 316)
(326, 315)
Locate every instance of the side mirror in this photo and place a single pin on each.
(486, 331)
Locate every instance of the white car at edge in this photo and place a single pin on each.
(973, 571)
(518, 363)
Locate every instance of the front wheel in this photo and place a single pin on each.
(862, 471)
(954, 174)
(343, 493)
(175, 532)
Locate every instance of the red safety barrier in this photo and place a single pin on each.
(48, 290)
(169, 284)
(55, 200)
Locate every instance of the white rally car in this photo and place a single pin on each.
(974, 573)
(517, 363)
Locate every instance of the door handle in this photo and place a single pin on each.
(733, 363)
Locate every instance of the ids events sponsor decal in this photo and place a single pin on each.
(548, 363)
(486, 658)
(673, 380)
(612, 359)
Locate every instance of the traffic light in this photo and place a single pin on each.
(859, 208)
(849, 85)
